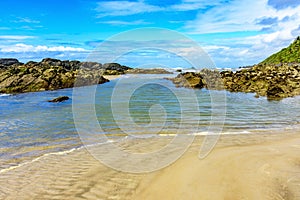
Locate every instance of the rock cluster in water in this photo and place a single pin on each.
(273, 81)
(277, 77)
(52, 74)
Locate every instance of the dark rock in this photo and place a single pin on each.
(51, 61)
(115, 66)
(275, 92)
(91, 65)
(49, 74)
(114, 69)
(273, 81)
(6, 62)
(59, 99)
(189, 79)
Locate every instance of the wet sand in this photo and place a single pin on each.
(257, 166)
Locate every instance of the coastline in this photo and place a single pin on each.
(245, 166)
(111, 77)
(150, 100)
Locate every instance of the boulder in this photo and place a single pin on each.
(59, 99)
(6, 62)
(115, 66)
(189, 79)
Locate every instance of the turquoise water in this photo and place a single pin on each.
(146, 105)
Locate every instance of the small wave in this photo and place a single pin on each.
(38, 158)
(205, 133)
(52, 153)
(167, 135)
(4, 95)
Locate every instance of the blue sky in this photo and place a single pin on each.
(233, 32)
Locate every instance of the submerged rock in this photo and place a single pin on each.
(59, 99)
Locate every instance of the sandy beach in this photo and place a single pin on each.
(205, 106)
(252, 166)
(111, 77)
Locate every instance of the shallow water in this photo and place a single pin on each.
(142, 106)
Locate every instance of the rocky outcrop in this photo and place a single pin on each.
(49, 74)
(189, 80)
(277, 77)
(209, 79)
(52, 74)
(6, 62)
(114, 69)
(273, 81)
(147, 71)
(59, 99)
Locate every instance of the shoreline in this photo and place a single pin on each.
(111, 77)
(240, 156)
(129, 139)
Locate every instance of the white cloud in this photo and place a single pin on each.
(245, 15)
(240, 15)
(214, 47)
(188, 5)
(40, 48)
(26, 20)
(15, 37)
(124, 23)
(124, 8)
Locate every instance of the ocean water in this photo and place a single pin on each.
(136, 106)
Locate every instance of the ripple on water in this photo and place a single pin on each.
(31, 127)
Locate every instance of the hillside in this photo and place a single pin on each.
(291, 54)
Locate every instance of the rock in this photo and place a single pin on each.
(273, 81)
(189, 79)
(49, 74)
(59, 99)
(90, 65)
(6, 62)
(114, 69)
(275, 92)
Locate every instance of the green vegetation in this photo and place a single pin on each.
(291, 54)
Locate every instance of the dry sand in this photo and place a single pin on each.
(111, 77)
(262, 166)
